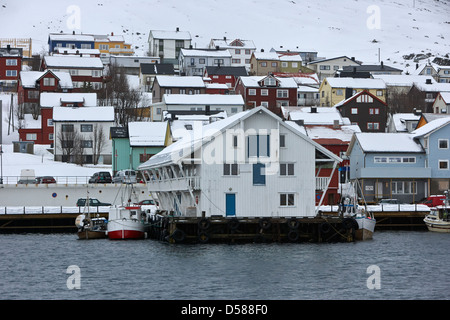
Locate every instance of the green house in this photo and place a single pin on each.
(135, 144)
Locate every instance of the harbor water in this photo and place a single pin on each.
(407, 265)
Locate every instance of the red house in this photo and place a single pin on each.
(224, 75)
(10, 66)
(86, 72)
(268, 91)
(41, 130)
(328, 128)
(33, 83)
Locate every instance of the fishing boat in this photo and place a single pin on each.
(88, 227)
(349, 207)
(439, 218)
(128, 220)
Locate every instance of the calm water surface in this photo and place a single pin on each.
(412, 265)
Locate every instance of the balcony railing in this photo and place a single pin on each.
(174, 184)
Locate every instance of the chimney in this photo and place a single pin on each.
(112, 33)
(73, 32)
(336, 124)
(417, 66)
(428, 81)
(313, 109)
(382, 65)
(262, 50)
(178, 29)
(217, 47)
(225, 38)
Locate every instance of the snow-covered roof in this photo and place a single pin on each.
(203, 99)
(356, 83)
(433, 87)
(206, 53)
(62, 50)
(72, 61)
(290, 57)
(195, 138)
(29, 78)
(177, 81)
(227, 43)
(252, 81)
(266, 55)
(388, 142)
(70, 37)
(343, 133)
(399, 120)
(81, 114)
(402, 80)
(431, 127)
(322, 116)
(147, 133)
(54, 99)
(165, 34)
(446, 97)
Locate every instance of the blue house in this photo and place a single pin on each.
(434, 138)
(403, 166)
(70, 41)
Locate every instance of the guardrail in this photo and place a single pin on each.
(51, 210)
(59, 179)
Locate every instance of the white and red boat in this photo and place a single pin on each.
(126, 222)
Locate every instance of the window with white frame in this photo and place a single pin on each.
(282, 140)
(443, 143)
(443, 164)
(49, 82)
(287, 199)
(339, 92)
(265, 104)
(11, 62)
(281, 93)
(230, 169)
(49, 122)
(11, 73)
(264, 92)
(373, 126)
(86, 128)
(31, 136)
(284, 64)
(354, 110)
(374, 111)
(252, 92)
(286, 169)
(404, 187)
(258, 145)
(270, 82)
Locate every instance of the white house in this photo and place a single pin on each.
(82, 134)
(167, 44)
(197, 103)
(193, 62)
(251, 164)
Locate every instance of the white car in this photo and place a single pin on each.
(125, 176)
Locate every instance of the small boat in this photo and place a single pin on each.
(349, 207)
(88, 227)
(439, 218)
(128, 220)
(91, 228)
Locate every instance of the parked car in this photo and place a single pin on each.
(101, 177)
(125, 176)
(389, 201)
(92, 203)
(27, 176)
(45, 179)
(148, 205)
(433, 201)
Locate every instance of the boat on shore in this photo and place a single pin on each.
(439, 218)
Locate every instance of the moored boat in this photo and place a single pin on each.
(439, 218)
(126, 222)
(91, 228)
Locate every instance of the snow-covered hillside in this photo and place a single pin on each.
(359, 28)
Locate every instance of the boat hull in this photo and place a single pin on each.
(89, 234)
(125, 229)
(437, 226)
(366, 228)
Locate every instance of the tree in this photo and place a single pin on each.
(98, 142)
(69, 142)
(117, 92)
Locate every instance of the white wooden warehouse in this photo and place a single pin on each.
(251, 164)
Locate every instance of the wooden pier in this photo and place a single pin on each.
(251, 230)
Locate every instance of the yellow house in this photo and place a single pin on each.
(112, 45)
(334, 90)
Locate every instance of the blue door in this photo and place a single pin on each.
(230, 204)
(259, 174)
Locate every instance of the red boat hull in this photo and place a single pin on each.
(125, 234)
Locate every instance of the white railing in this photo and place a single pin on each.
(183, 183)
(322, 183)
